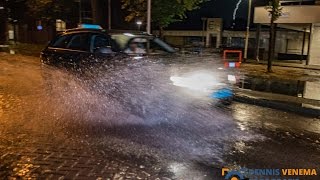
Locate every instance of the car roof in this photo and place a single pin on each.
(136, 33)
(97, 28)
(81, 30)
(103, 31)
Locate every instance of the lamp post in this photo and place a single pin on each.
(204, 20)
(149, 17)
(139, 23)
(248, 31)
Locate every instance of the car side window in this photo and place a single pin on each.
(137, 46)
(98, 41)
(79, 42)
(61, 42)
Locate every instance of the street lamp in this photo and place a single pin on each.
(139, 23)
(248, 31)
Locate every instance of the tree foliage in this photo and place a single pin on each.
(164, 12)
(52, 9)
(15, 9)
(275, 10)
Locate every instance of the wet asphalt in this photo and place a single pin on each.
(132, 122)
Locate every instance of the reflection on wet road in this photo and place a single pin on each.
(131, 121)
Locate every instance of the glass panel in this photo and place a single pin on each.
(61, 42)
(79, 42)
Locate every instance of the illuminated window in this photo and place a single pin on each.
(11, 34)
(60, 25)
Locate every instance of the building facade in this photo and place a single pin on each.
(299, 17)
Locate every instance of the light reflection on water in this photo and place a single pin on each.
(1, 105)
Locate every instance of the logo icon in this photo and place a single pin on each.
(231, 175)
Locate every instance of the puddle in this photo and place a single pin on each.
(276, 86)
(305, 95)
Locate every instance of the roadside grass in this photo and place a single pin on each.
(286, 73)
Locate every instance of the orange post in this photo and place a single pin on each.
(225, 52)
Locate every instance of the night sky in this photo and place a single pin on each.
(211, 9)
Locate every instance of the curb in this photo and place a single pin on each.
(278, 105)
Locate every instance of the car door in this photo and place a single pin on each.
(77, 50)
(69, 50)
(54, 53)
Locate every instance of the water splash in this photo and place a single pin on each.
(129, 106)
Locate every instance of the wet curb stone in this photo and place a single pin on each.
(279, 105)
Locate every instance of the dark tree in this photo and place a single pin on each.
(47, 10)
(275, 10)
(164, 12)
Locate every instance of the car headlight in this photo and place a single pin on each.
(202, 81)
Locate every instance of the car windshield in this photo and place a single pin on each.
(136, 44)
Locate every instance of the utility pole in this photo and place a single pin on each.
(109, 14)
(258, 33)
(96, 12)
(248, 31)
(80, 12)
(204, 20)
(303, 44)
(149, 17)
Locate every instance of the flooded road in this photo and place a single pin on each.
(139, 120)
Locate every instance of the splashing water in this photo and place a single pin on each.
(138, 102)
(134, 108)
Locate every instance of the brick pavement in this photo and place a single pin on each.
(25, 155)
(32, 147)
